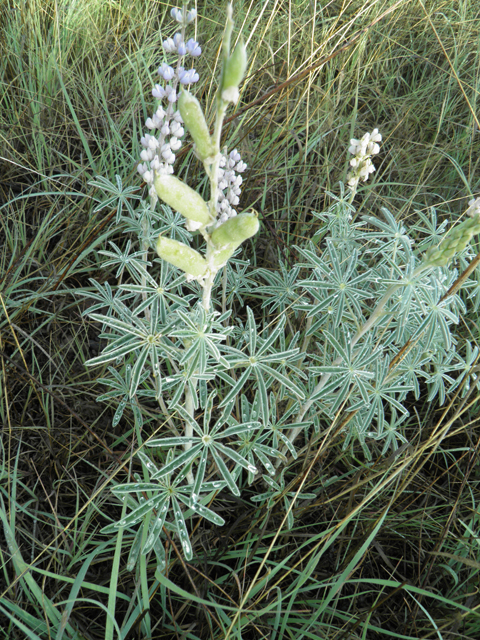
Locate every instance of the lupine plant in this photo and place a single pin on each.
(344, 336)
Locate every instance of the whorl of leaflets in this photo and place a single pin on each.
(166, 128)
(363, 150)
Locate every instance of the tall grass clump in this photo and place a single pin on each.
(240, 317)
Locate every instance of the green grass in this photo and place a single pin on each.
(390, 549)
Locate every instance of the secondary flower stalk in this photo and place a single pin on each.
(361, 164)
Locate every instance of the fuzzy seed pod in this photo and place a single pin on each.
(182, 198)
(230, 235)
(194, 120)
(235, 230)
(181, 256)
(233, 73)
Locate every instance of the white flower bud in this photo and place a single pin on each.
(158, 92)
(188, 77)
(177, 14)
(175, 143)
(473, 208)
(167, 155)
(155, 163)
(169, 45)
(147, 155)
(241, 166)
(166, 72)
(193, 48)
(235, 156)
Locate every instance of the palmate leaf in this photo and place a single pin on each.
(392, 233)
(281, 289)
(131, 345)
(161, 497)
(183, 459)
(117, 194)
(437, 316)
(203, 511)
(140, 512)
(106, 298)
(182, 529)
(236, 457)
(133, 262)
(134, 550)
(120, 410)
(225, 473)
(261, 354)
(200, 334)
(134, 487)
(235, 390)
(208, 441)
(284, 380)
(199, 476)
(156, 527)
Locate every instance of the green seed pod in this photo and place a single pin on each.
(222, 256)
(235, 230)
(230, 235)
(181, 256)
(182, 198)
(233, 73)
(194, 120)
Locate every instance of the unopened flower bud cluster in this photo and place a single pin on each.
(159, 147)
(456, 240)
(473, 208)
(363, 150)
(229, 183)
